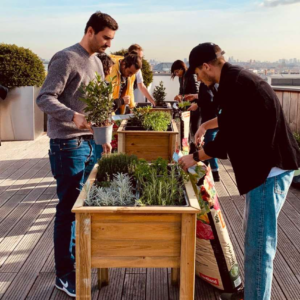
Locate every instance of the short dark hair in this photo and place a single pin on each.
(99, 21)
(107, 62)
(135, 47)
(133, 59)
(178, 65)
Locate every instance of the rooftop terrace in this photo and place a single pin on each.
(27, 207)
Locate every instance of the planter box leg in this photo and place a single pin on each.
(102, 278)
(175, 276)
(188, 251)
(83, 256)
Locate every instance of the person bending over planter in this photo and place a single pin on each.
(139, 76)
(208, 110)
(108, 63)
(123, 77)
(255, 136)
(188, 84)
(72, 148)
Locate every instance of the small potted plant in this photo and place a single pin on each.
(97, 95)
(159, 95)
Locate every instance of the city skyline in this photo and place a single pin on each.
(262, 30)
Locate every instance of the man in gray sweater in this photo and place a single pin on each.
(73, 152)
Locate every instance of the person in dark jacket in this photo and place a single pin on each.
(187, 85)
(204, 101)
(254, 135)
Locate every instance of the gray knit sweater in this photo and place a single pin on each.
(59, 96)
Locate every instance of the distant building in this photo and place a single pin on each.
(164, 67)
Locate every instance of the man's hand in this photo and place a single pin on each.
(178, 98)
(199, 136)
(190, 97)
(126, 100)
(193, 107)
(186, 161)
(81, 122)
(153, 103)
(106, 148)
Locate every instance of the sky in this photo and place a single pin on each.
(265, 30)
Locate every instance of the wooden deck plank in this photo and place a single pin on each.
(134, 287)
(32, 240)
(5, 281)
(43, 287)
(115, 288)
(157, 284)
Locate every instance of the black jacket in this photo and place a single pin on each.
(206, 103)
(188, 85)
(253, 131)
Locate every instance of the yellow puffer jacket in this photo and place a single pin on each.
(117, 82)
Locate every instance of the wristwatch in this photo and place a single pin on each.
(196, 156)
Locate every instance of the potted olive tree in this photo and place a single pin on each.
(97, 96)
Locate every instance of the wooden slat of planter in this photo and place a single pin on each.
(135, 248)
(140, 218)
(187, 263)
(136, 231)
(83, 257)
(136, 261)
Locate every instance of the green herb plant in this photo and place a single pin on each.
(139, 114)
(119, 193)
(157, 121)
(115, 163)
(97, 95)
(184, 105)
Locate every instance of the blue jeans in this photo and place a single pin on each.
(263, 205)
(210, 136)
(71, 163)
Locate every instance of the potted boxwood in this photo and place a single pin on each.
(123, 229)
(148, 135)
(97, 96)
(22, 71)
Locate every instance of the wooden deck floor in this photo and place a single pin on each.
(27, 207)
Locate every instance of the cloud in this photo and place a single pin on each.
(273, 3)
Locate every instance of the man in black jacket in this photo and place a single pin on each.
(255, 136)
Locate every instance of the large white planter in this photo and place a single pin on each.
(20, 117)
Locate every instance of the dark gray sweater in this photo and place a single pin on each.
(60, 93)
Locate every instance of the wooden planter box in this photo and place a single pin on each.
(148, 145)
(135, 237)
(167, 109)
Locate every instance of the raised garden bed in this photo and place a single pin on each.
(135, 237)
(145, 144)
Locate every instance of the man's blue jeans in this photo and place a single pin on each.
(263, 205)
(71, 163)
(210, 136)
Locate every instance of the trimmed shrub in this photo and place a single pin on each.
(20, 67)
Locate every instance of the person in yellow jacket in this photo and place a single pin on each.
(123, 77)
